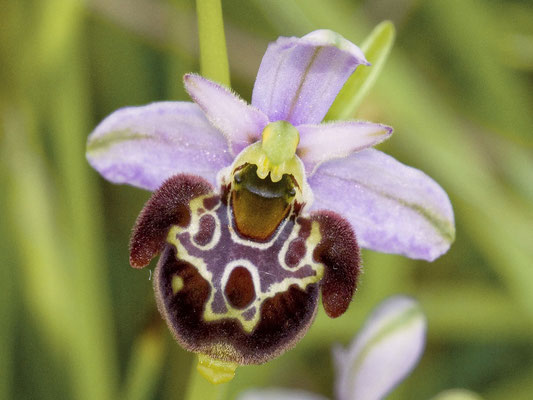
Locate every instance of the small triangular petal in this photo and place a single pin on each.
(383, 353)
(300, 77)
(323, 142)
(143, 146)
(393, 208)
(241, 123)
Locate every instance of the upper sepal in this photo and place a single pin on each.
(168, 206)
(300, 77)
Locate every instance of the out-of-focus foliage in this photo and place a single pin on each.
(77, 322)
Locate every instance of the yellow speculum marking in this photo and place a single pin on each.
(215, 371)
(278, 287)
(177, 283)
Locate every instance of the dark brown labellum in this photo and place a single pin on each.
(239, 275)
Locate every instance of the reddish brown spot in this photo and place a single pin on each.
(295, 252)
(206, 230)
(211, 202)
(169, 205)
(305, 228)
(240, 290)
(339, 252)
(290, 312)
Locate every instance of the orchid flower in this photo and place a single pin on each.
(256, 208)
(381, 356)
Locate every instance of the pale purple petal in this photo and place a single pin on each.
(300, 77)
(393, 208)
(279, 394)
(323, 142)
(241, 123)
(143, 146)
(383, 353)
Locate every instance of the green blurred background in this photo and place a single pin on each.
(77, 322)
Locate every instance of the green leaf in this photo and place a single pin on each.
(376, 47)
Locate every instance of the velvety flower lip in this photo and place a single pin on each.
(393, 208)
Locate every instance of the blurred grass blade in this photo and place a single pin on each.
(81, 217)
(376, 47)
(31, 218)
(517, 386)
(8, 298)
(90, 331)
(146, 364)
(483, 77)
(515, 43)
(457, 394)
(282, 14)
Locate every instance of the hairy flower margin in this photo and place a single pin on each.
(380, 357)
(241, 267)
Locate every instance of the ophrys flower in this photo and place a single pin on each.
(242, 265)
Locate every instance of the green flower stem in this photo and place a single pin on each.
(213, 55)
(200, 389)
